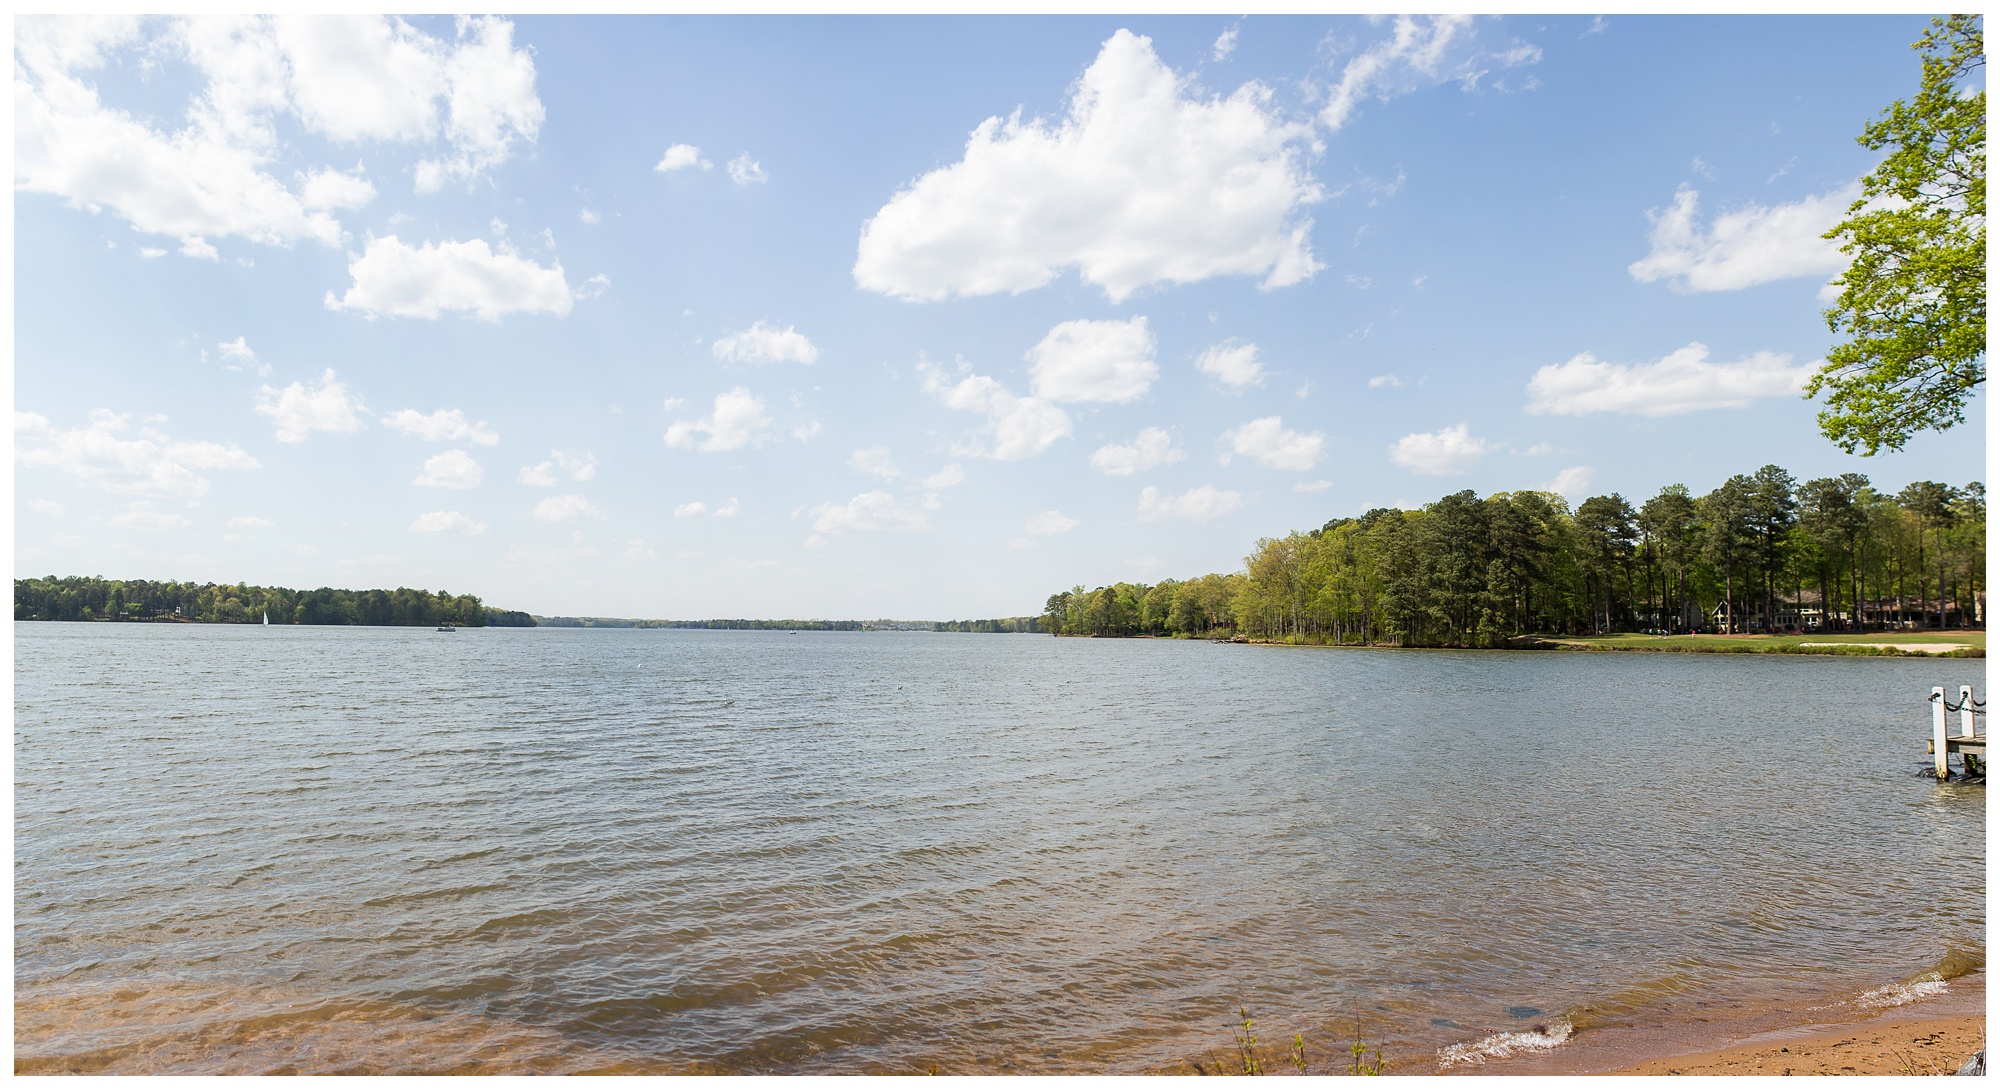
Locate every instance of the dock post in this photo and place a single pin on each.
(1940, 754)
(1965, 729)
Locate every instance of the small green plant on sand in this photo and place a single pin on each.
(1299, 1052)
(1358, 1066)
(1246, 1045)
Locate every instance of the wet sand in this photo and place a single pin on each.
(1930, 1033)
(1890, 1045)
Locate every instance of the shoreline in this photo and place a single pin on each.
(1857, 649)
(1919, 1031)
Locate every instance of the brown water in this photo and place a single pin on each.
(324, 850)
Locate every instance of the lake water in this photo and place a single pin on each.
(322, 850)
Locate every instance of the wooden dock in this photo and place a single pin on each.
(1969, 740)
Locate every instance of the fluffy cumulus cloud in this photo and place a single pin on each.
(1144, 180)
(765, 344)
(737, 421)
(1086, 360)
(393, 278)
(299, 410)
(1271, 443)
(1419, 52)
(452, 469)
(1051, 522)
(744, 170)
(579, 466)
(442, 426)
(1445, 452)
(241, 358)
(681, 157)
(1152, 447)
(690, 510)
(1018, 427)
(1752, 245)
(1232, 363)
(104, 455)
(446, 522)
(567, 509)
(1204, 504)
(1571, 484)
(870, 513)
(139, 515)
(1684, 381)
(351, 80)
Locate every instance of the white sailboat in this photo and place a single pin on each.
(267, 618)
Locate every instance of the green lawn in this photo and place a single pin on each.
(1969, 644)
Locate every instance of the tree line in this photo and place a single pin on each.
(1761, 553)
(94, 598)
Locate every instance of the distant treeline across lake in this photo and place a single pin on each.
(95, 598)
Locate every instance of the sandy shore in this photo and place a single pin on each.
(1894, 1044)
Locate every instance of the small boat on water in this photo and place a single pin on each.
(447, 628)
(267, 618)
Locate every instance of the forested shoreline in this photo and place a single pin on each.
(1761, 553)
(94, 598)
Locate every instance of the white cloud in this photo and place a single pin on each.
(672, 403)
(593, 287)
(1225, 44)
(1268, 441)
(445, 522)
(1143, 181)
(452, 469)
(1445, 452)
(1051, 522)
(346, 78)
(681, 157)
(744, 170)
(639, 551)
(1085, 360)
(1419, 52)
(1153, 447)
(1203, 504)
(1312, 486)
(96, 455)
(765, 344)
(689, 510)
(1682, 382)
(298, 411)
(944, 478)
(1380, 381)
(245, 522)
(1232, 363)
(730, 509)
(151, 252)
(394, 278)
(246, 360)
(581, 466)
(47, 507)
(1021, 427)
(196, 246)
(442, 426)
(140, 515)
(328, 190)
(870, 512)
(735, 423)
(875, 462)
(805, 432)
(1570, 484)
(567, 509)
(1753, 245)
(591, 218)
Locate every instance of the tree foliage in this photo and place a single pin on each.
(1913, 303)
(94, 598)
(1759, 553)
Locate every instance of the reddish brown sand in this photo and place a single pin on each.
(1894, 1044)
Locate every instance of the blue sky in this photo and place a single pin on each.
(912, 317)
